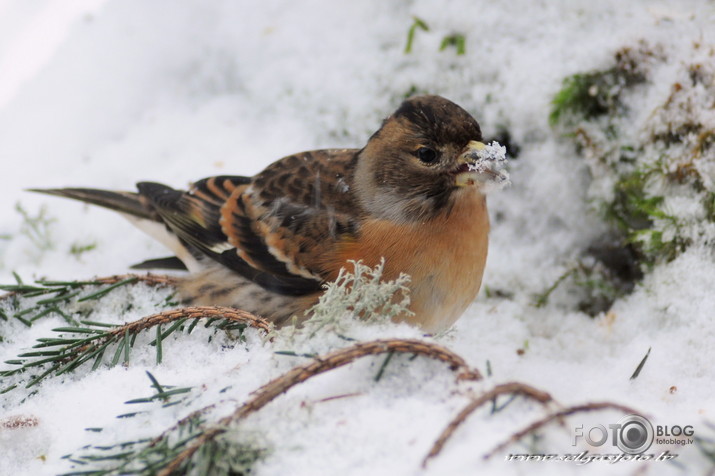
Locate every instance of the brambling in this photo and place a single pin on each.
(413, 196)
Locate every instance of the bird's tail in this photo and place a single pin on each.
(138, 209)
(125, 202)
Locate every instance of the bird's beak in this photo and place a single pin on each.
(465, 175)
(477, 167)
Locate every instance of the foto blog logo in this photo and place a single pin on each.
(632, 434)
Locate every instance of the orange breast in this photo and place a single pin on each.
(444, 257)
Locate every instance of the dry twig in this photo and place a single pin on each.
(588, 407)
(333, 360)
(503, 389)
(19, 421)
(193, 312)
(149, 279)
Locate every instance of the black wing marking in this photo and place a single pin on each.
(195, 221)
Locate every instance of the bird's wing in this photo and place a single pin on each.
(294, 212)
(274, 229)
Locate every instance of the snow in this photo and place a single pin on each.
(105, 94)
(491, 160)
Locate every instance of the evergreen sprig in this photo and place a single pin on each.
(147, 456)
(91, 341)
(150, 455)
(325, 363)
(193, 446)
(61, 293)
(198, 446)
(164, 393)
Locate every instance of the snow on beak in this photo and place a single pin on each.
(483, 165)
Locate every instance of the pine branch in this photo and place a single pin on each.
(588, 407)
(147, 456)
(48, 287)
(513, 388)
(65, 354)
(142, 456)
(333, 360)
(165, 393)
(148, 279)
(63, 292)
(193, 445)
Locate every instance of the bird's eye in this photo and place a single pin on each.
(426, 155)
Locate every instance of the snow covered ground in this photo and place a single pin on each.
(109, 93)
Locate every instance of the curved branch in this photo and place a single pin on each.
(333, 360)
(588, 407)
(506, 388)
(192, 312)
(149, 279)
(195, 312)
(67, 354)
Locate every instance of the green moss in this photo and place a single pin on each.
(581, 96)
(642, 159)
(587, 96)
(636, 212)
(709, 205)
(632, 208)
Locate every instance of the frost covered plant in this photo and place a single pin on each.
(650, 150)
(38, 228)
(361, 293)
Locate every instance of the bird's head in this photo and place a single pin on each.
(418, 162)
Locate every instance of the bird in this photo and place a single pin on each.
(414, 197)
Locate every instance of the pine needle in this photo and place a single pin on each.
(638, 369)
(333, 360)
(67, 353)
